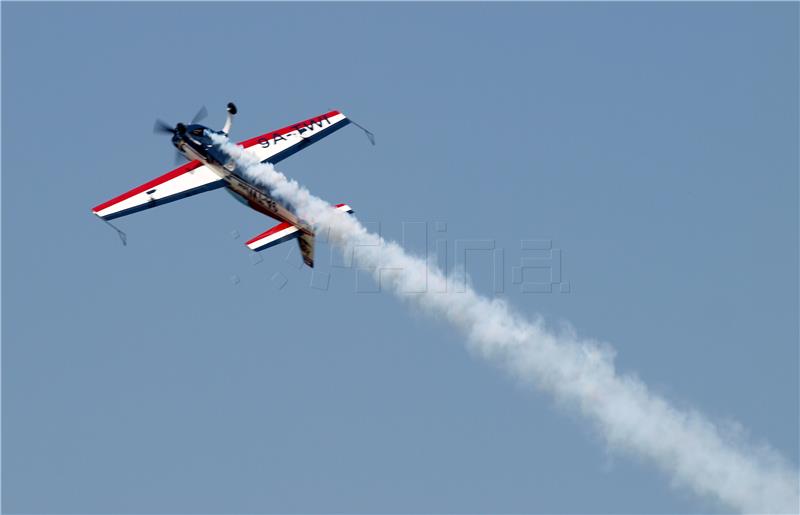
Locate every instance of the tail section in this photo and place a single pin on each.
(306, 243)
(285, 232)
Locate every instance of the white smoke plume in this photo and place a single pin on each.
(580, 373)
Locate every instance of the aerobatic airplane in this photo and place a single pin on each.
(210, 168)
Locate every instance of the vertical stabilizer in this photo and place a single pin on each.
(306, 243)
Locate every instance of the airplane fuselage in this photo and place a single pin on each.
(257, 197)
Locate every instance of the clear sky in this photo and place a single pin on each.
(655, 146)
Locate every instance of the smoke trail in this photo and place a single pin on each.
(578, 372)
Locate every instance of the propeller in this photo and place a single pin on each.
(163, 127)
(201, 114)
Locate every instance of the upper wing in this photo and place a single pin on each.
(194, 177)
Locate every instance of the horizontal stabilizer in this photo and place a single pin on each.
(282, 232)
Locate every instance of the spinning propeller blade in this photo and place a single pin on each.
(163, 127)
(202, 113)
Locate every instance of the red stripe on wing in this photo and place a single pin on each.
(188, 167)
(291, 128)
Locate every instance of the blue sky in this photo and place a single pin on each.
(655, 146)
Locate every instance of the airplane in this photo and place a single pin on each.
(210, 168)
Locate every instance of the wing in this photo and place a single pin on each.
(194, 177)
(184, 181)
(277, 145)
